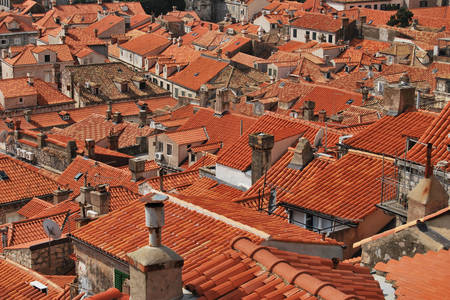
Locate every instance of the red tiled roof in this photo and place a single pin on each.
(438, 133)
(175, 181)
(34, 207)
(199, 72)
(206, 187)
(238, 155)
(16, 283)
(244, 59)
(250, 271)
(24, 181)
(26, 57)
(388, 135)
(188, 136)
(348, 188)
(145, 44)
(207, 159)
(121, 197)
(207, 147)
(106, 23)
(59, 208)
(319, 22)
(61, 280)
(424, 276)
(192, 234)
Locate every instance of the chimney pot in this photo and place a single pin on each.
(117, 117)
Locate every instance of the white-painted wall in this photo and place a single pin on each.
(302, 31)
(233, 176)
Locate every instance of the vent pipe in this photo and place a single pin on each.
(154, 217)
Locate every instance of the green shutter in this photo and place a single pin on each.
(119, 278)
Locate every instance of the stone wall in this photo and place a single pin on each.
(49, 258)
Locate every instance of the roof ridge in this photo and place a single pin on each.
(38, 218)
(371, 155)
(292, 275)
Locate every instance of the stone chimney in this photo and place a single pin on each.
(113, 141)
(84, 198)
(137, 168)
(221, 27)
(71, 150)
(27, 115)
(60, 195)
(90, 148)
(308, 110)
(303, 154)
(142, 118)
(40, 140)
(365, 94)
(398, 98)
(155, 270)
(117, 117)
(109, 111)
(203, 97)
(221, 103)
(322, 116)
(428, 196)
(142, 141)
(261, 144)
(100, 200)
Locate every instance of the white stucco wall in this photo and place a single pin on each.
(233, 176)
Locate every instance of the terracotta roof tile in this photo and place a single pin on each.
(249, 271)
(424, 276)
(348, 188)
(388, 135)
(244, 59)
(106, 23)
(145, 44)
(59, 208)
(438, 133)
(24, 181)
(26, 57)
(188, 136)
(318, 22)
(33, 207)
(175, 181)
(207, 159)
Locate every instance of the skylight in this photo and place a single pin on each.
(349, 101)
(78, 176)
(195, 74)
(3, 175)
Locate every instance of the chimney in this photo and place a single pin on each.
(17, 132)
(60, 195)
(397, 98)
(261, 144)
(203, 97)
(117, 117)
(428, 196)
(113, 141)
(303, 154)
(174, 8)
(137, 168)
(308, 112)
(4, 232)
(365, 94)
(109, 111)
(100, 200)
(71, 149)
(210, 26)
(221, 102)
(344, 23)
(40, 140)
(142, 118)
(84, 199)
(99, 2)
(322, 116)
(142, 142)
(27, 115)
(90, 148)
(95, 32)
(221, 27)
(155, 270)
(4, 53)
(30, 79)
(180, 41)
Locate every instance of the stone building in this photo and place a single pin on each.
(18, 30)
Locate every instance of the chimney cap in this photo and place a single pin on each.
(154, 198)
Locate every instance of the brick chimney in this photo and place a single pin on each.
(303, 154)
(40, 140)
(428, 196)
(60, 195)
(117, 117)
(142, 118)
(90, 148)
(398, 98)
(84, 199)
(137, 168)
(261, 144)
(155, 270)
(308, 110)
(322, 116)
(221, 104)
(113, 141)
(100, 200)
(109, 111)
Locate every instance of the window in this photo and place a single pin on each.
(275, 73)
(330, 38)
(47, 58)
(367, 6)
(380, 86)
(375, 6)
(96, 91)
(20, 100)
(183, 93)
(4, 42)
(159, 147)
(68, 87)
(423, 3)
(294, 33)
(119, 278)
(176, 92)
(168, 86)
(142, 85)
(17, 41)
(192, 157)
(161, 83)
(270, 72)
(169, 149)
(190, 95)
(309, 221)
(314, 36)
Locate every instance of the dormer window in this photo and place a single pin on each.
(20, 100)
(57, 20)
(64, 115)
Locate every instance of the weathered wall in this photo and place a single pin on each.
(326, 251)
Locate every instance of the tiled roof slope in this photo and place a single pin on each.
(198, 72)
(319, 22)
(96, 127)
(225, 129)
(121, 197)
(193, 235)
(24, 181)
(348, 188)
(145, 44)
(16, 280)
(26, 54)
(424, 276)
(276, 229)
(188, 136)
(34, 207)
(249, 271)
(129, 108)
(175, 181)
(238, 155)
(207, 159)
(25, 23)
(388, 135)
(62, 207)
(98, 173)
(206, 187)
(438, 133)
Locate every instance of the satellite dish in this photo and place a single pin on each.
(318, 138)
(3, 136)
(51, 229)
